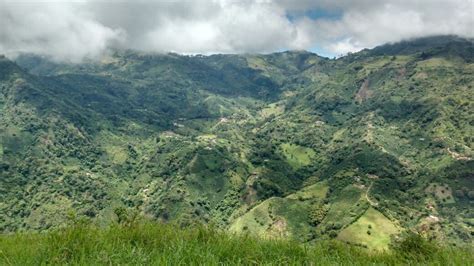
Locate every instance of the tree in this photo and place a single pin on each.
(317, 214)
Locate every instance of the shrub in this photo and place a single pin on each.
(317, 214)
(415, 246)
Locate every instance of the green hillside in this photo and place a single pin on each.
(287, 144)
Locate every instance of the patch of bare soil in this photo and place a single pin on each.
(401, 73)
(364, 92)
(278, 227)
(251, 196)
(457, 156)
(372, 203)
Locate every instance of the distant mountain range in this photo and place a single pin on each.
(290, 144)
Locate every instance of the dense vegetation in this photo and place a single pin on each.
(291, 144)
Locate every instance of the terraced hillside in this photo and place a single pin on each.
(289, 144)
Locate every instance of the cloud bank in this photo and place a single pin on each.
(73, 30)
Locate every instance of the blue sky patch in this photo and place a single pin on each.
(315, 14)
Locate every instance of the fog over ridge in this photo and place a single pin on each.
(73, 30)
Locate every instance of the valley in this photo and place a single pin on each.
(284, 145)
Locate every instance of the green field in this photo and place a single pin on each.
(372, 229)
(297, 156)
(316, 191)
(282, 217)
(345, 208)
(272, 109)
(255, 222)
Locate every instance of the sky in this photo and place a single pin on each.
(75, 30)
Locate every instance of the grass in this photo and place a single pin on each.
(372, 229)
(297, 156)
(165, 244)
(272, 109)
(277, 217)
(346, 207)
(294, 213)
(117, 154)
(441, 192)
(435, 62)
(315, 191)
(207, 137)
(256, 221)
(114, 147)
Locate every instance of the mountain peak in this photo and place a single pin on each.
(443, 45)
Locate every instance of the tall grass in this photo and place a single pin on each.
(165, 244)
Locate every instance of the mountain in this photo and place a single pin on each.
(288, 144)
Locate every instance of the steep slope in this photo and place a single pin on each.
(240, 140)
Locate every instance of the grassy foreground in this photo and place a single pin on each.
(161, 244)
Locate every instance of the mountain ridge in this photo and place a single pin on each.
(287, 143)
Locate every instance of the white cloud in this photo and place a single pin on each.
(366, 23)
(72, 30)
(61, 30)
(233, 28)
